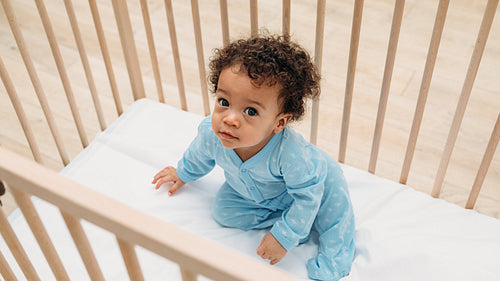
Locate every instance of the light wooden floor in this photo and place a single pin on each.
(462, 25)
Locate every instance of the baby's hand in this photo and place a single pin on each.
(169, 174)
(271, 249)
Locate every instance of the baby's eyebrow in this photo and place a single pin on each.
(257, 103)
(222, 91)
(219, 89)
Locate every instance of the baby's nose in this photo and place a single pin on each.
(232, 119)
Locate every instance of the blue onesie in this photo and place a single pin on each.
(290, 185)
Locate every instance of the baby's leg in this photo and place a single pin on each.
(232, 210)
(335, 225)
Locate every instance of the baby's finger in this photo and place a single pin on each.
(154, 180)
(160, 182)
(158, 185)
(274, 261)
(174, 188)
(162, 173)
(264, 255)
(158, 176)
(260, 251)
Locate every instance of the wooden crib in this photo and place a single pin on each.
(398, 88)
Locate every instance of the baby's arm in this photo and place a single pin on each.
(169, 174)
(271, 249)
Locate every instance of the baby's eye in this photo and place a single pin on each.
(223, 102)
(251, 111)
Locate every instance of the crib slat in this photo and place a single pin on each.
(175, 52)
(131, 261)
(28, 209)
(424, 87)
(477, 54)
(105, 55)
(82, 243)
(199, 53)
(386, 82)
(485, 164)
(28, 63)
(14, 98)
(351, 71)
(318, 55)
(85, 62)
(129, 50)
(5, 270)
(152, 50)
(254, 18)
(286, 17)
(224, 17)
(188, 275)
(56, 53)
(16, 249)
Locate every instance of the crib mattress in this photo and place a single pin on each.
(401, 234)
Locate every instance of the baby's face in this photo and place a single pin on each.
(246, 116)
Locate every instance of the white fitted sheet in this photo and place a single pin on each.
(401, 234)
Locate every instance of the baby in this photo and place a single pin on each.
(274, 178)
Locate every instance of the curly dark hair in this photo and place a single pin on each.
(271, 59)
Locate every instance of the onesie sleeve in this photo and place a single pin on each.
(198, 160)
(304, 175)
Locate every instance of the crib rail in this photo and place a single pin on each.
(141, 76)
(194, 254)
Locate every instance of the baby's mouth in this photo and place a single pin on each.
(227, 135)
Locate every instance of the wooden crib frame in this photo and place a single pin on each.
(25, 178)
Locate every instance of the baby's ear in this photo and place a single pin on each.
(283, 119)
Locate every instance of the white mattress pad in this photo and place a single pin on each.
(401, 234)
